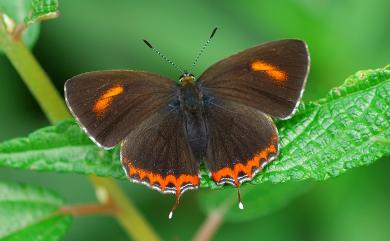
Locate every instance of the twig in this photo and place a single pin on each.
(17, 33)
(215, 219)
(88, 209)
(210, 225)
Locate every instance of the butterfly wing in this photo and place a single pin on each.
(269, 77)
(242, 140)
(158, 155)
(110, 104)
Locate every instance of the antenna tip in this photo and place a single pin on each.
(213, 33)
(147, 43)
(170, 215)
(241, 205)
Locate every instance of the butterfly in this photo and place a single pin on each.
(166, 128)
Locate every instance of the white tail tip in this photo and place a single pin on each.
(170, 215)
(240, 205)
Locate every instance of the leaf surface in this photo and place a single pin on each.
(42, 10)
(29, 213)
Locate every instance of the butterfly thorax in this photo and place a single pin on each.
(191, 105)
(190, 98)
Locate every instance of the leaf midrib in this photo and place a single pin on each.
(50, 149)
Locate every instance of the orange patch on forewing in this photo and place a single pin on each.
(245, 168)
(271, 70)
(153, 178)
(106, 99)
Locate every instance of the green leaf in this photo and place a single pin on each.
(14, 12)
(259, 200)
(62, 148)
(29, 213)
(347, 129)
(42, 10)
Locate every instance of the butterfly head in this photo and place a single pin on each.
(186, 78)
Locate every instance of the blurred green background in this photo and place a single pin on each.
(343, 36)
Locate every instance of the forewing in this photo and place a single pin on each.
(110, 104)
(242, 140)
(269, 77)
(158, 155)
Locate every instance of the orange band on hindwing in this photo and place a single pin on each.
(247, 169)
(151, 178)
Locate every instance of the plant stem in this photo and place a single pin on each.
(214, 220)
(210, 226)
(127, 215)
(34, 77)
(88, 209)
(55, 109)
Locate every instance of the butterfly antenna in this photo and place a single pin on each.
(204, 47)
(164, 57)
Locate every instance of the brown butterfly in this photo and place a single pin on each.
(166, 128)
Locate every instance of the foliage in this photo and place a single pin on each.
(42, 10)
(30, 213)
